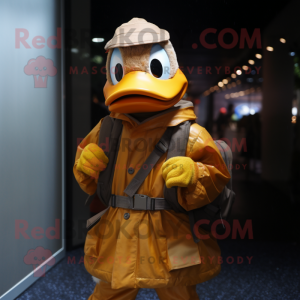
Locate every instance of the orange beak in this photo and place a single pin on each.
(141, 92)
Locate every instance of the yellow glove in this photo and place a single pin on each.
(92, 160)
(179, 171)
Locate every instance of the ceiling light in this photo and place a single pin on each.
(245, 110)
(252, 111)
(220, 84)
(98, 40)
(225, 81)
(233, 75)
(257, 55)
(270, 48)
(238, 72)
(251, 61)
(245, 68)
(283, 41)
(294, 111)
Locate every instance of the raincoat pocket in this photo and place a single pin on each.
(182, 250)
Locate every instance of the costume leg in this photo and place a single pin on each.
(178, 293)
(103, 291)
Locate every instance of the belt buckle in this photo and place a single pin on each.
(140, 202)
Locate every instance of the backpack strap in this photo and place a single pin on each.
(227, 157)
(177, 148)
(104, 134)
(220, 207)
(179, 143)
(229, 195)
(93, 220)
(212, 210)
(110, 135)
(160, 148)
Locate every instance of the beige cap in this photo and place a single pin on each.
(137, 32)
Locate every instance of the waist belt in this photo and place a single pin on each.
(139, 202)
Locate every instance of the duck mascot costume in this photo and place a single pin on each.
(143, 238)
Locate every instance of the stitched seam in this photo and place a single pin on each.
(104, 271)
(177, 276)
(194, 141)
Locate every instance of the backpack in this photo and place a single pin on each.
(174, 141)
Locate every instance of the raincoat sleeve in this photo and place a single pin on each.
(212, 174)
(86, 182)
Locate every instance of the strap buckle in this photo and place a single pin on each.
(161, 147)
(211, 209)
(140, 202)
(152, 204)
(113, 201)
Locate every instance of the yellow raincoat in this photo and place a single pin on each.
(154, 249)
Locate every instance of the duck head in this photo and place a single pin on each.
(142, 70)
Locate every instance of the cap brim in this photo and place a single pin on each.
(138, 37)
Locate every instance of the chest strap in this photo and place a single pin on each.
(137, 202)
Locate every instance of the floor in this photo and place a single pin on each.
(273, 273)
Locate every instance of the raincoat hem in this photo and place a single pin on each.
(144, 282)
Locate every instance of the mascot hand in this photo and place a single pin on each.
(92, 160)
(179, 171)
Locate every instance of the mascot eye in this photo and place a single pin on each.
(159, 63)
(116, 66)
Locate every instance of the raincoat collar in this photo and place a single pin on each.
(180, 112)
